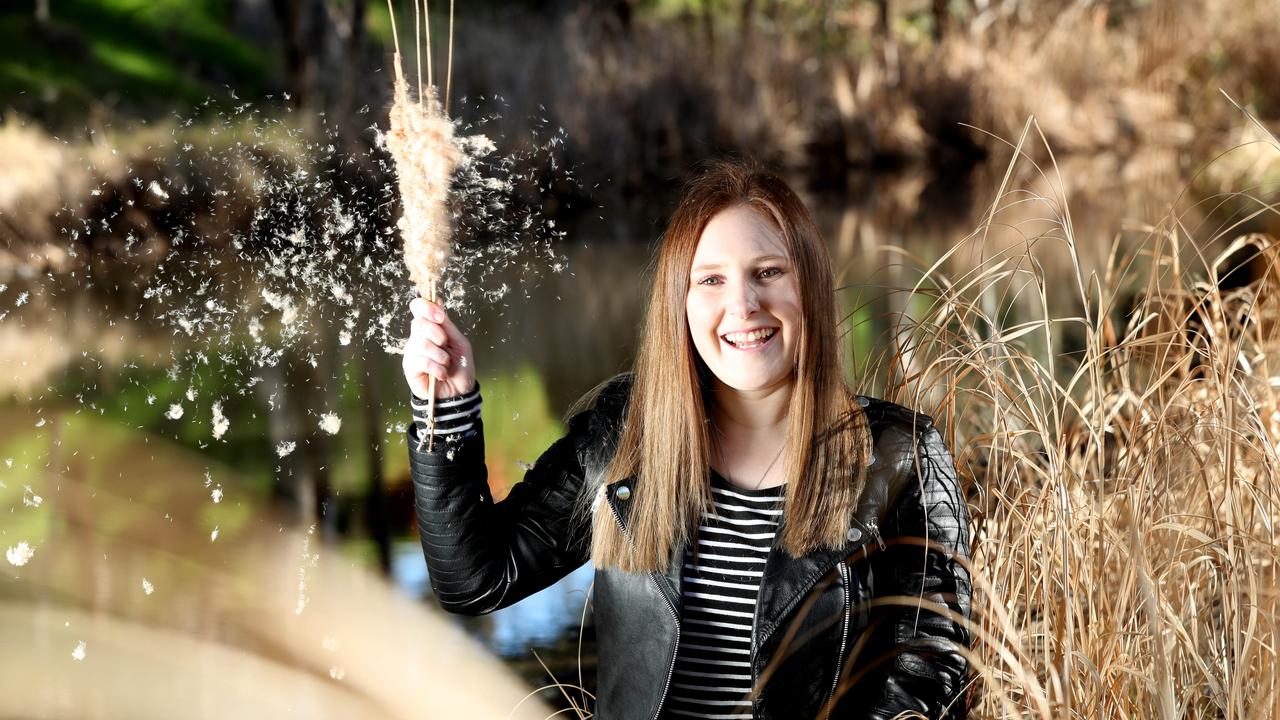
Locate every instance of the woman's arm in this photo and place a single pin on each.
(481, 555)
(927, 549)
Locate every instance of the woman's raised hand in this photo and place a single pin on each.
(437, 348)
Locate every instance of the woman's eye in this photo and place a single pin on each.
(771, 272)
(708, 280)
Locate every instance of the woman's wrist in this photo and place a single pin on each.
(455, 416)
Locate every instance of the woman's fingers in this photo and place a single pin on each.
(452, 333)
(430, 352)
(431, 314)
(436, 348)
(419, 369)
(419, 384)
(428, 331)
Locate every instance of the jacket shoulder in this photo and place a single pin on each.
(889, 416)
(899, 434)
(596, 418)
(901, 439)
(608, 400)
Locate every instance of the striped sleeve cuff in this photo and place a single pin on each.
(455, 416)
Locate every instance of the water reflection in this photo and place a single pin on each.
(538, 621)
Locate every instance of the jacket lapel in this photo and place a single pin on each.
(787, 580)
(670, 581)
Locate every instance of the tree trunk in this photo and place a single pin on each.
(353, 68)
(301, 32)
(315, 24)
(42, 11)
(708, 28)
(376, 518)
(747, 24)
(743, 80)
(882, 21)
(941, 19)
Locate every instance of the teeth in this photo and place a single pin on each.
(754, 335)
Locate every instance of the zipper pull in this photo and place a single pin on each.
(875, 533)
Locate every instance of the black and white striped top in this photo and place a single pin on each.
(712, 677)
(455, 416)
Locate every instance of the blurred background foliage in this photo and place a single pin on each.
(820, 84)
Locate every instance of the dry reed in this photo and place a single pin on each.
(1122, 463)
(426, 154)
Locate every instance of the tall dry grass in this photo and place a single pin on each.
(1121, 459)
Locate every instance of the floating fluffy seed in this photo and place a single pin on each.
(220, 422)
(330, 423)
(19, 554)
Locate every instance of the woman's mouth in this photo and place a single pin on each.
(751, 340)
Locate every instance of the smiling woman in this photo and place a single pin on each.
(767, 543)
(744, 307)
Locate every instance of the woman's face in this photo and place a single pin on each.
(744, 305)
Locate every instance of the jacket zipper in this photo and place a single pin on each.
(755, 700)
(844, 637)
(842, 569)
(653, 576)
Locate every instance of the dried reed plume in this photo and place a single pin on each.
(425, 152)
(1122, 456)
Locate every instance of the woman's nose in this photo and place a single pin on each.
(745, 300)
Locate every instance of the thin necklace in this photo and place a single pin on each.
(720, 454)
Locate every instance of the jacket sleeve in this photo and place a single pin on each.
(926, 554)
(481, 555)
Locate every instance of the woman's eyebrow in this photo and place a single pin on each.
(714, 266)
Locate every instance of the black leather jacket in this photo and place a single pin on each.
(822, 629)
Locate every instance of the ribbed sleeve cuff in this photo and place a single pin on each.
(456, 416)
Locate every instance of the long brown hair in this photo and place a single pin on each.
(665, 440)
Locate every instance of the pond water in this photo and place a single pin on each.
(105, 385)
(538, 621)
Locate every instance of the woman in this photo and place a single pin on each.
(750, 519)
